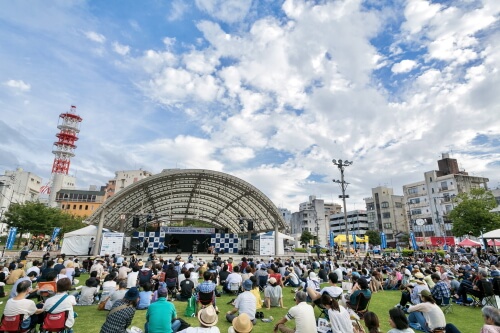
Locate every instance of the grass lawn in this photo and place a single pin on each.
(90, 320)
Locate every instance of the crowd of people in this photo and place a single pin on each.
(427, 285)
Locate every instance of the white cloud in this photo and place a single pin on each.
(121, 49)
(18, 84)
(229, 11)
(179, 8)
(403, 66)
(95, 37)
(238, 154)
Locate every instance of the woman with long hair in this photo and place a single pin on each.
(399, 322)
(340, 320)
(371, 322)
(427, 314)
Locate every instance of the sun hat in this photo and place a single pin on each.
(132, 294)
(208, 316)
(419, 275)
(248, 284)
(312, 275)
(242, 324)
(272, 280)
(425, 293)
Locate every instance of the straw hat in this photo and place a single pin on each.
(242, 324)
(208, 316)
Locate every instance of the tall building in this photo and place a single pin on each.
(123, 179)
(429, 202)
(80, 202)
(314, 216)
(17, 186)
(287, 216)
(357, 223)
(386, 213)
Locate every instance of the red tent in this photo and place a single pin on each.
(491, 242)
(469, 243)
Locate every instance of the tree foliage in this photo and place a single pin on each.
(472, 213)
(306, 237)
(373, 237)
(36, 218)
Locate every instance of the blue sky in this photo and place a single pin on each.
(269, 91)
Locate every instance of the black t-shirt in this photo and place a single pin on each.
(223, 275)
(187, 287)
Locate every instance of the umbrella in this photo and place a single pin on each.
(413, 241)
(383, 240)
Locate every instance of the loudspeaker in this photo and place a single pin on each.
(250, 245)
(226, 230)
(250, 225)
(179, 251)
(135, 222)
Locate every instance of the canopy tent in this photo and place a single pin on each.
(493, 234)
(492, 242)
(77, 242)
(341, 239)
(469, 243)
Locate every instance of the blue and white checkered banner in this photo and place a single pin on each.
(413, 241)
(383, 240)
(11, 238)
(55, 233)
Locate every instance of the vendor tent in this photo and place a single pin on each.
(77, 242)
(469, 243)
(492, 242)
(494, 234)
(341, 239)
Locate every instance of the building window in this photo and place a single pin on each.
(384, 204)
(412, 190)
(370, 206)
(387, 225)
(399, 205)
(386, 215)
(416, 211)
(81, 206)
(74, 207)
(86, 207)
(414, 201)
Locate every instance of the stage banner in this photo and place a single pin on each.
(11, 238)
(55, 232)
(383, 240)
(187, 230)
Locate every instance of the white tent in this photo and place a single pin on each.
(77, 242)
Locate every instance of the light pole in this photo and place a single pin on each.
(341, 165)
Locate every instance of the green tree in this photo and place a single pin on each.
(36, 218)
(472, 213)
(306, 237)
(373, 237)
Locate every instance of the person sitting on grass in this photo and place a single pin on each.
(186, 290)
(427, 315)
(161, 316)
(20, 305)
(87, 293)
(241, 324)
(303, 313)
(244, 303)
(491, 318)
(122, 313)
(399, 322)
(371, 322)
(273, 294)
(145, 296)
(256, 292)
(361, 287)
(333, 290)
(207, 317)
(340, 320)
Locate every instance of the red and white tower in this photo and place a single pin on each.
(64, 148)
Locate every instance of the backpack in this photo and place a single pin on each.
(191, 307)
(77, 272)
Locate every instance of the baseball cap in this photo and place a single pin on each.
(247, 285)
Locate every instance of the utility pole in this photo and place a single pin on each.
(341, 165)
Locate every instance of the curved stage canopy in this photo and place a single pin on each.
(172, 195)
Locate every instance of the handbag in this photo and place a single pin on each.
(102, 304)
(55, 321)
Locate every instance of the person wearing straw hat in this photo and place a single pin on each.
(241, 324)
(207, 317)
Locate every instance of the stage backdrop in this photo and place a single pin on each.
(227, 242)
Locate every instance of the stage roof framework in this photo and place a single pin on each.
(174, 194)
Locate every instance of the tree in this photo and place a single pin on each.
(373, 237)
(472, 213)
(306, 237)
(36, 218)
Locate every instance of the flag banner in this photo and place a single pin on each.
(55, 233)
(11, 238)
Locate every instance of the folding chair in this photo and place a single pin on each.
(234, 288)
(171, 286)
(55, 317)
(206, 299)
(12, 323)
(446, 305)
(362, 305)
(46, 289)
(489, 295)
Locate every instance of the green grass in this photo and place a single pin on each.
(90, 320)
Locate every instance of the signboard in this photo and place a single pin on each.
(112, 243)
(11, 238)
(188, 230)
(266, 245)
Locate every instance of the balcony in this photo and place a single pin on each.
(446, 189)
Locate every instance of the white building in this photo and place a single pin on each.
(123, 179)
(287, 216)
(313, 216)
(18, 186)
(386, 213)
(431, 200)
(357, 223)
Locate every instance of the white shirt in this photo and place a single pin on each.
(213, 329)
(34, 269)
(433, 314)
(305, 321)
(23, 306)
(340, 321)
(132, 279)
(65, 305)
(246, 303)
(340, 276)
(234, 278)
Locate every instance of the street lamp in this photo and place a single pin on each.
(341, 165)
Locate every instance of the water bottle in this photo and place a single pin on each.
(271, 318)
